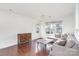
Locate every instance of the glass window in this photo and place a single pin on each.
(53, 27)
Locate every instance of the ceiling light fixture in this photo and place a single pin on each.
(11, 10)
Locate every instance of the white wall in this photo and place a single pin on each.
(69, 24)
(10, 25)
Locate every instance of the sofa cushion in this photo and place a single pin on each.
(71, 40)
(76, 46)
(70, 43)
(64, 37)
(61, 42)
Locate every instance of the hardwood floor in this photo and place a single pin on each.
(28, 49)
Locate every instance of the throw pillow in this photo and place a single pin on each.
(70, 43)
(61, 42)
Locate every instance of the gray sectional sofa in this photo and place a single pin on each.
(67, 45)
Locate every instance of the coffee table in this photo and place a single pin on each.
(43, 43)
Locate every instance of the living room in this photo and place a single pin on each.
(42, 21)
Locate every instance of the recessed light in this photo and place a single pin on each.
(10, 10)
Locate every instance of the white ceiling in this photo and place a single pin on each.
(40, 10)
